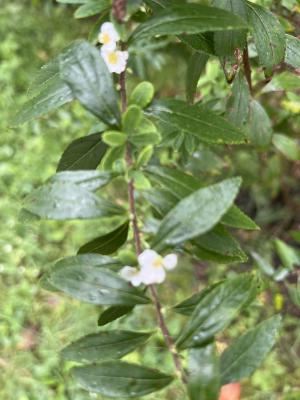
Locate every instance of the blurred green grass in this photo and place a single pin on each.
(35, 324)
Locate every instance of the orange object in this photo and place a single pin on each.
(232, 391)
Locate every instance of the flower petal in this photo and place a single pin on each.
(108, 27)
(151, 275)
(128, 273)
(170, 261)
(147, 258)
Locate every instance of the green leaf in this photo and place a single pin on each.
(107, 244)
(246, 354)
(85, 72)
(220, 241)
(236, 218)
(259, 128)
(120, 379)
(48, 92)
(142, 94)
(144, 156)
(87, 179)
(203, 373)
(195, 120)
(85, 281)
(92, 7)
(187, 306)
(188, 19)
(289, 147)
(83, 153)
(106, 345)
(72, 1)
(268, 34)
(263, 264)
(197, 213)
(215, 311)
(176, 181)
(201, 42)
(287, 254)
(238, 102)
(196, 66)
(113, 313)
(114, 138)
(227, 42)
(65, 200)
(132, 118)
(292, 53)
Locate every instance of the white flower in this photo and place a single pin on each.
(153, 266)
(108, 36)
(115, 60)
(132, 275)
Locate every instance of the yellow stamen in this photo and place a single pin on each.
(112, 58)
(104, 38)
(157, 263)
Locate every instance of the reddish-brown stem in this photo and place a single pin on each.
(138, 246)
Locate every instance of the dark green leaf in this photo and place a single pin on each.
(113, 313)
(268, 34)
(84, 70)
(106, 345)
(227, 42)
(202, 42)
(101, 286)
(215, 311)
(238, 103)
(189, 19)
(187, 306)
(292, 53)
(236, 218)
(107, 244)
(203, 373)
(92, 7)
(197, 213)
(195, 120)
(220, 241)
(195, 68)
(174, 180)
(83, 153)
(121, 379)
(247, 353)
(259, 128)
(62, 201)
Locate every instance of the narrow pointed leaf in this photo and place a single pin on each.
(107, 345)
(96, 285)
(247, 353)
(238, 104)
(113, 313)
(259, 128)
(196, 66)
(197, 213)
(107, 244)
(215, 311)
(236, 218)
(84, 71)
(120, 379)
(189, 19)
(195, 120)
(227, 42)
(203, 373)
(83, 153)
(268, 34)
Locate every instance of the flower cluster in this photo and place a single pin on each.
(114, 58)
(152, 268)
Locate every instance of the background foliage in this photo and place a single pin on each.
(35, 325)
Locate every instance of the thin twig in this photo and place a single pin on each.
(138, 247)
